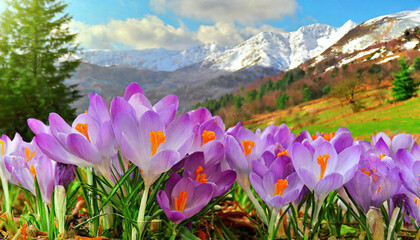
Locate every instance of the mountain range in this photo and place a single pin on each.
(211, 70)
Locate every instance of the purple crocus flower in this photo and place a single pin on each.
(243, 147)
(341, 139)
(374, 182)
(8, 146)
(145, 140)
(89, 142)
(198, 168)
(320, 168)
(389, 146)
(279, 185)
(206, 129)
(409, 201)
(166, 108)
(28, 162)
(182, 199)
(410, 170)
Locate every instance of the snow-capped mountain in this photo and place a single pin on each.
(158, 59)
(280, 50)
(379, 29)
(267, 49)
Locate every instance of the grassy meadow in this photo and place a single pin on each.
(328, 114)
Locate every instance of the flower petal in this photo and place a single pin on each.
(328, 183)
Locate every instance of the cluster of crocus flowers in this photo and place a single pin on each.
(204, 159)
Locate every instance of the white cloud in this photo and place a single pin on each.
(229, 33)
(152, 32)
(240, 11)
(148, 32)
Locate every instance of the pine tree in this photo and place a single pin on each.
(35, 59)
(404, 85)
(281, 101)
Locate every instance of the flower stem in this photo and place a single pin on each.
(140, 218)
(60, 204)
(5, 185)
(272, 223)
(173, 235)
(257, 205)
(391, 226)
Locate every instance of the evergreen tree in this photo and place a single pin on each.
(237, 101)
(281, 101)
(307, 94)
(35, 59)
(404, 85)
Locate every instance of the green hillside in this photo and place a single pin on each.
(327, 114)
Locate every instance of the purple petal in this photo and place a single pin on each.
(359, 189)
(160, 163)
(381, 145)
(224, 183)
(172, 181)
(346, 160)
(192, 162)
(214, 152)
(323, 147)
(201, 196)
(57, 124)
(37, 126)
(400, 141)
(257, 184)
(53, 149)
(342, 141)
(163, 202)
(307, 178)
(166, 108)
(93, 128)
(82, 148)
(200, 115)
(131, 89)
(302, 157)
(98, 108)
(179, 135)
(328, 183)
(235, 156)
(259, 168)
(140, 104)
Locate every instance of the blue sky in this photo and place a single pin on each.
(331, 12)
(179, 24)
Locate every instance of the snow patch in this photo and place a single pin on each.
(410, 45)
(389, 59)
(357, 56)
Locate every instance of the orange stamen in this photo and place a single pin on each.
(415, 200)
(375, 179)
(2, 146)
(328, 136)
(156, 138)
(83, 129)
(181, 201)
(280, 186)
(283, 153)
(314, 137)
(86, 111)
(381, 156)
(248, 145)
(199, 177)
(141, 170)
(378, 190)
(365, 171)
(32, 169)
(28, 154)
(322, 161)
(373, 170)
(208, 136)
